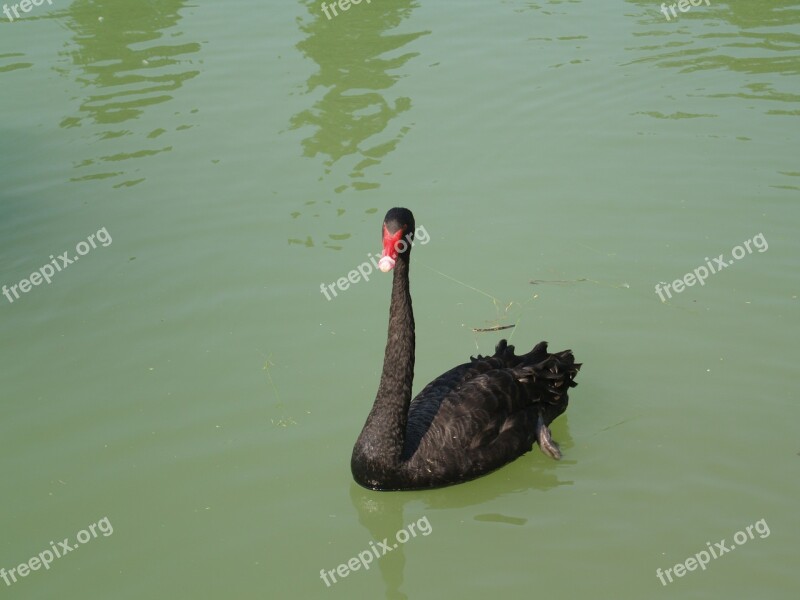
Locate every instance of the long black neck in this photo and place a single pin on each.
(380, 445)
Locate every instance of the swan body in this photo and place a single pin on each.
(469, 421)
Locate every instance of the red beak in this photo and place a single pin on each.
(389, 254)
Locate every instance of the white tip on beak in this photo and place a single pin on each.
(386, 264)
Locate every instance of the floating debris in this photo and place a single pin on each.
(495, 328)
(557, 281)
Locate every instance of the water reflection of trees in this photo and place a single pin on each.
(357, 62)
(122, 60)
(756, 38)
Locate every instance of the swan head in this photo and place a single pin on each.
(398, 234)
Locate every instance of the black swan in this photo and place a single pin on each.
(469, 421)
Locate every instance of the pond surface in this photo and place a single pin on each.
(179, 405)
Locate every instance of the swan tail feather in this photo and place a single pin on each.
(549, 375)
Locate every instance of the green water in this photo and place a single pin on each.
(189, 383)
